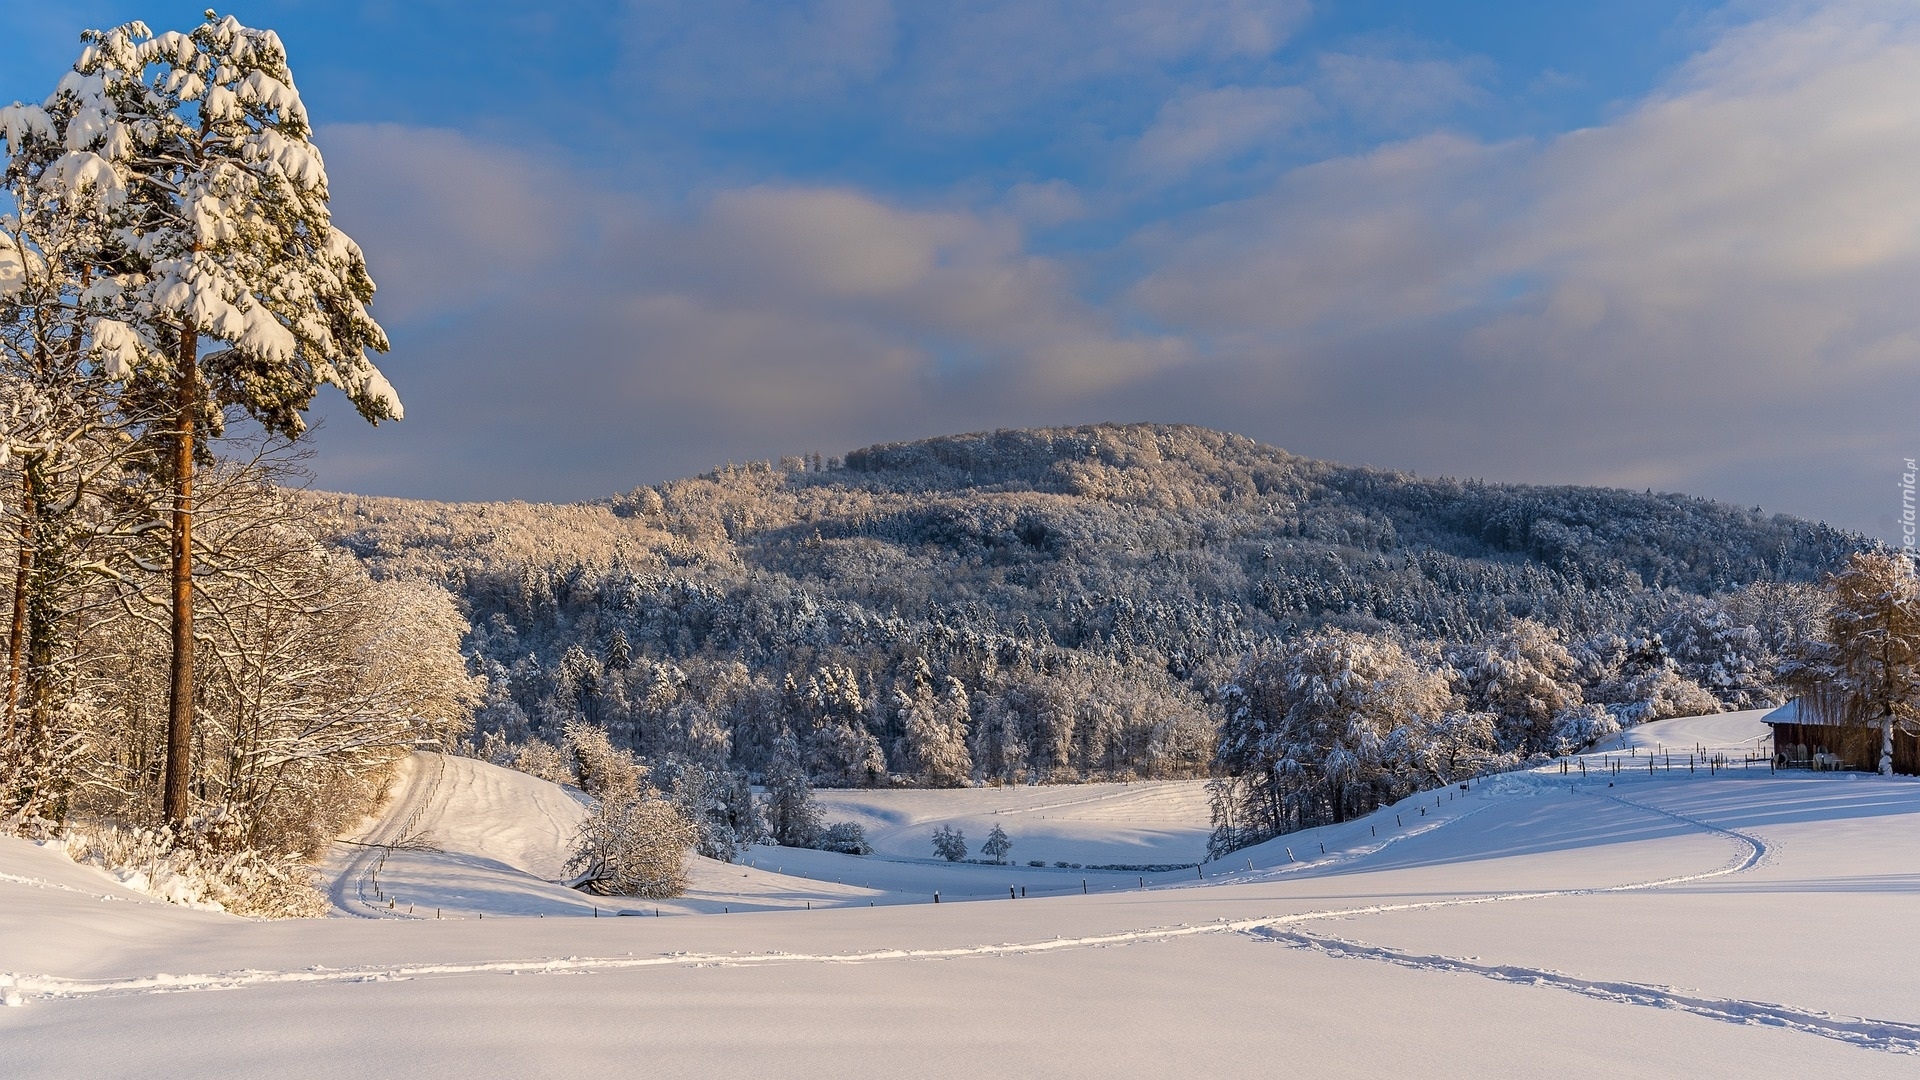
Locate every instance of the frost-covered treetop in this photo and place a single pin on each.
(191, 155)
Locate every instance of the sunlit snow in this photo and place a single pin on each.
(1732, 923)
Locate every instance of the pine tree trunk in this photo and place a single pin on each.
(1886, 746)
(48, 772)
(16, 633)
(180, 696)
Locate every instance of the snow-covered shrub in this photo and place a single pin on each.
(633, 844)
(847, 838)
(599, 768)
(1669, 694)
(185, 869)
(490, 747)
(949, 843)
(1581, 726)
(542, 759)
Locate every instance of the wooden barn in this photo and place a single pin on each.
(1805, 736)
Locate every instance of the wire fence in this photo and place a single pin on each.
(1699, 759)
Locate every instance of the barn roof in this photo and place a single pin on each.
(1792, 713)
(1785, 714)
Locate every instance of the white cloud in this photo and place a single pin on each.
(1400, 232)
(1200, 127)
(1724, 272)
(1710, 291)
(1054, 202)
(955, 287)
(568, 330)
(454, 221)
(1384, 91)
(749, 51)
(947, 66)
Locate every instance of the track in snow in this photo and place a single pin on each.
(1885, 1035)
(357, 891)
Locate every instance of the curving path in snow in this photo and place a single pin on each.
(1532, 924)
(459, 835)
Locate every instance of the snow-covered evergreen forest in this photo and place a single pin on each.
(1110, 601)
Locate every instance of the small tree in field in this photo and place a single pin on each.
(997, 845)
(949, 843)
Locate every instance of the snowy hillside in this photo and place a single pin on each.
(1672, 923)
(1076, 599)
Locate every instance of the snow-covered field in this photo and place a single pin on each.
(1739, 924)
(1149, 823)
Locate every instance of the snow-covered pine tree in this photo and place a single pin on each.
(792, 816)
(998, 751)
(619, 652)
(840, 750)
(78, 498)
(222, 237)
(949, 843)
(997, 844)
(933, 741)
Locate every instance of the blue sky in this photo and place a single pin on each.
(1647, 243)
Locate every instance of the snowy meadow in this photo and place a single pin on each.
(1092, 750)
(1529, 924)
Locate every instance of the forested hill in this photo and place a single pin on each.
(1117, 573)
